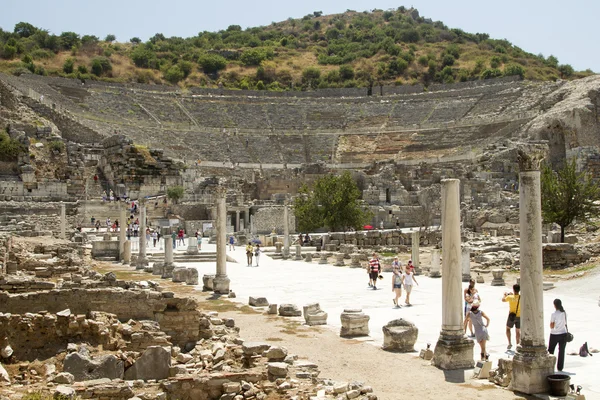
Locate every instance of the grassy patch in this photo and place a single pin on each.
(273, 339)
(569, 271)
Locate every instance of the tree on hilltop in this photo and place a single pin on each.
(568, 195)
(333, 201)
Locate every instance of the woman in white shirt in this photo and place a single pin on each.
(558, 333)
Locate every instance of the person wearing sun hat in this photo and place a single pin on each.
(476, 316)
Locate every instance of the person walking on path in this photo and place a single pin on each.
(174, 237)
(374, 268)
(408, 278)
(249, 254)
(470, 294)
(514, 315)
(180, 237)
(199, 242)
(558, 333)
(410, 267)
(231, 242)
(154, 238)
(397, 279)
(257, 253)
(476, 316)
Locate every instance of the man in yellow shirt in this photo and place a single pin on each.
(249, 250)
(514, 314)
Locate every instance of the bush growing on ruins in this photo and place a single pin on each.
(311, 76)
(514, 69)
(9, 147)
(333, 202)
(491, 73)
(100, 66)
(142, 55)
(256, 56)
(68, 66)
(211, 63)
(175, 193)
(173, 74)
(56, 146)
(568, 195)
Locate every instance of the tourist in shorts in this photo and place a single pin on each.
(514, 315)
(249, 250)
(199, 242)
(397, 282)
(374, 268)
(470, 294)
(408, 278)
(476, 316)
(231, 242)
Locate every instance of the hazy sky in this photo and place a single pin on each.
(567, 30)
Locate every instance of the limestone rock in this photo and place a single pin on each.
(276, 353)
(84, 368)
(313, 315)
(289, 310)
(250, 348)
(64, 392)
(278, 369)
(399, 335)
(64, 377)
(184, 358)
(154, 363)
(6, 351)
(258, 301)
(354, 323)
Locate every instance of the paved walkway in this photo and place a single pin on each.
(336, 288)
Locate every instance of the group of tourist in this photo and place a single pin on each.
(253, 252)
(401, 276)
(474, 320)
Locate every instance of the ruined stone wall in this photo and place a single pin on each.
(563, 255)
(263, 220)
(178, 317)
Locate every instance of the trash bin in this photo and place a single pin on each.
(559, 384)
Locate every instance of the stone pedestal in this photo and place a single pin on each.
(122, 231)
(308, 257)
(355, 260)
(192, 277)
(126, 259)
(167, 265)
(207, 282)
(313, 315)
(286, 232)
(354, 323)
(289, 310)
(466, 264)
(339, 260)
(323, 258)
(532, 363)
(416, 238)
(63, 221)
(434, 270)
(221, 284)
(192, 245)
(498, 277)
(179, 274)
(400, 335)
(453, 350)
(278, 247)
(298, 256)
(142, 261)
(331, 247)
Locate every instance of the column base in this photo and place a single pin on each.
(466, 277)
(531, 367)
(435, 274)
(192, 250)
(167, 270)
(141, 262)
(453, 351)
(221, 284)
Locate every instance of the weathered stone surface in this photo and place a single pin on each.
(354, 323)
(258, 301)
(64, 392)
(64, 378)
(250, 348)
(154, 363)
(84, 368)
(4, 375)
(277, 369)
(276, 353)
(399, 335)
(313, 315)
(289, 310)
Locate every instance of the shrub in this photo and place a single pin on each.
(346, 72)
(495, 62)
(56, 146)
(68, 66)
(41, 54)
(173, 74)
(256, 56)
(141, 56)
(175, 193)
(9, 147)
(409, 35)
(514, 69)
(397, 66)
(423, 60)
(110, 38)
(100, 66)
(566, 70)
(448, 60)
(491, 73)
(311, 76)
(186, 67)
(211, 63)
(27, 59)
(8, 52)
(82, 69)
(260, 85)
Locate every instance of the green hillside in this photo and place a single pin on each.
(317, 51)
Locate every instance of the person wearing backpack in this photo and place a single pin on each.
(558, 333)
(514, 315)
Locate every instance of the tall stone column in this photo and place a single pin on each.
(168, 264)
(247, 220)
(221, 281)
(453, 350)
(416, 238)
(434, 270)
(122, 231)
(63, 221)
(286, 232)
(532, 363)
(466, 264)
(142, 261)
(237, 221)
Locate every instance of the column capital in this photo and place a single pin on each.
(220, 191)
(530, 155)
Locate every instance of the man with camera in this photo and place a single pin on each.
(514, 314)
